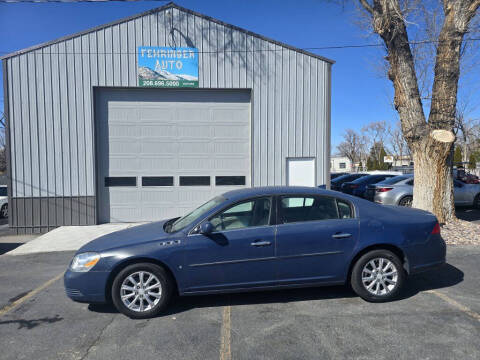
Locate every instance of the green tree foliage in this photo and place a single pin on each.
(376, 158)
(457, 155)
(472, 162)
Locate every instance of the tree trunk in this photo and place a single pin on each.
(433, 190)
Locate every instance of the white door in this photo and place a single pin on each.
(301, 172)
(162, 152)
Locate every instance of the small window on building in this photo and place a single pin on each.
(120, 181)
(194, 180)
(157, 180)
(229, 180)
(342, 165)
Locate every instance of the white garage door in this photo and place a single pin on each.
(162, 152)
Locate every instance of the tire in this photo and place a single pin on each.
(476, 202)
(406, 201)
(4, 211)
(136, 305)
(378, 293)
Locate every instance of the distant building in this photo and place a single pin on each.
(399, 161)
(340, 164)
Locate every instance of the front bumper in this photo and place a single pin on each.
(86, 287)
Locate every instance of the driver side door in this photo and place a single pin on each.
(240, 251)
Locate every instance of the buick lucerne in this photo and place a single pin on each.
(258, 238)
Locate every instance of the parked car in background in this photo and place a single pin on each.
(336, 175)
(337, 183)
(254, 239)
(3, 201)
(359, 186)
(399, 191)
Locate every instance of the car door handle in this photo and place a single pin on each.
(341, 235)
(261, 243)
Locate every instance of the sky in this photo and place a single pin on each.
(360, 94)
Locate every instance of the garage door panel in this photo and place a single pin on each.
(159, 132)
(230, 148)
(148, 130)
(158, 165)
(231, 132)
(191, 165)
(123, 165)
(194, 131)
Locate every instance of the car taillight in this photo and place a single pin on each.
(436, 229)
(383, 189)
(353, 186)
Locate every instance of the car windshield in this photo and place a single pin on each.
(395, 179)
(188, 219)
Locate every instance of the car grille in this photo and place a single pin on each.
(73, 292)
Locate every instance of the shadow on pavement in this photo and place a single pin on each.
(446, 276)
(30, 324)
(6, 247)
(468, 214)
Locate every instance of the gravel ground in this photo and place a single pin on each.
(460, 232)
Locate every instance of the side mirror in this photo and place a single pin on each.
(206, 228)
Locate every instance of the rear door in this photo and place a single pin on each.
(315, 237)
(239, 253)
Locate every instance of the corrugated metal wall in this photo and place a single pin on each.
(50, 109)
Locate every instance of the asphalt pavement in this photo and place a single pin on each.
(438, 317)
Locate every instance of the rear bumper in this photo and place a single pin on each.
(426, 256)
(86, 287)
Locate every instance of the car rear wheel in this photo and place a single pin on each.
(4, 211)
(406, 201)
(378, 276)
(476, 202)
(142, 290)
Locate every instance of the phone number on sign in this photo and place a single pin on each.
(160, 83)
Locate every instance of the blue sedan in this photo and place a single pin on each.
(258, 238)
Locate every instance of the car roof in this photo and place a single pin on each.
(275, 190)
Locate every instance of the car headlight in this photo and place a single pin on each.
(84, 262)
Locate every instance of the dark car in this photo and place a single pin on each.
(337, 183)
(336, 175)
(359, 186)
(258, 238)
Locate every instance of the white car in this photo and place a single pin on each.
(3, 201)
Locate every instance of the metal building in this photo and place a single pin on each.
(147, 117)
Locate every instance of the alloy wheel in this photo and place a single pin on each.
(141, 291)
(379, 276)
(4, 211)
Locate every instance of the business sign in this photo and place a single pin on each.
(167, 67)
(388, 159)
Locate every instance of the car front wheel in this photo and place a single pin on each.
(142, 290)
(378, 276)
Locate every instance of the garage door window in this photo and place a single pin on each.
(157, 180)
(194, 180)
(229, 180)
(120, 181)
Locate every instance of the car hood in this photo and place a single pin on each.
(131, 236)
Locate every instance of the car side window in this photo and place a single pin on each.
(307, 208)
(410, 182)
(344, 209)
(255, 212)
